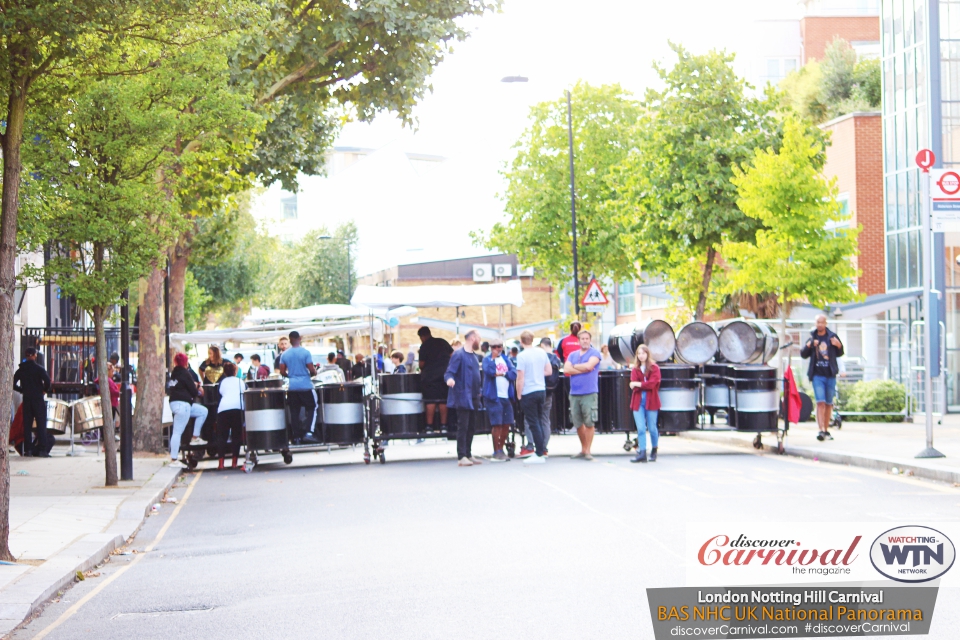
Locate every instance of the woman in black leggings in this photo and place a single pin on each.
(230, 413)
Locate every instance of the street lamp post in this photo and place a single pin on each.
(573, 196)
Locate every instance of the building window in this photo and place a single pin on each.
(652, 302)
(845, 215)
(288, 207)
(626, 298)
(778, 68)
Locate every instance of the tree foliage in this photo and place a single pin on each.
(837, 85)
(803, 249)
(675, 201)
(313, 270)
(537, 199)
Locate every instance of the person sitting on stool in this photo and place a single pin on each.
(32, 381)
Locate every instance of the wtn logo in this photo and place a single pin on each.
(912, 554)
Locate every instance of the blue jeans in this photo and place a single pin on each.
(646, 420)
(532, 405)
(182, 412)
(824, 389)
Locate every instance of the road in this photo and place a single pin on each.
(425, 549)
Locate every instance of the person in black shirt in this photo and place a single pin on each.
(434, 358)
(359, 369)
(32, 381)
(182, 390)
(823, 348)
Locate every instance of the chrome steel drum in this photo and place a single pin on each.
(87, 414)
(696, 343)
(265, 418)
(341, 411)
(757, 398)
(331, 376)
(716, 386)
(269, 383)
(401, 406)
(57, 412)
(679, 396)
(746, 342)
(656, 334)
(211, 396)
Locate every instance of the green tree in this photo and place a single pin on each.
(538, 228)
(313, 270)
(675, 202)
(99, 204)
(799, 254)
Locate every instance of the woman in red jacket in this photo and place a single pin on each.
(645, 403)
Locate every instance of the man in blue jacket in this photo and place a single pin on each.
(498, 394)
(463, 394)
(823, 348)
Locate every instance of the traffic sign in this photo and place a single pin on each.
(926, 159)
(945, 200)
(594, 295)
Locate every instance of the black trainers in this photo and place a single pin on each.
(309, 439)
(653, 454)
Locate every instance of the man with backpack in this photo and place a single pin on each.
(551, 381)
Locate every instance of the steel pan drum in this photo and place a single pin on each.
(57, 412)
(614, 402)
(87, 414)
(401, 406)
(745, 342)
(341, 407)
(269, 383)
(656, 334)
(679, 395)
(211, 395)
(696, 343)
(265, 418)
(757, 398)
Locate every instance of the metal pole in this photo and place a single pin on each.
(126, 424)
(166, 312)
(573, 211)
(930, 321)
(349, 275)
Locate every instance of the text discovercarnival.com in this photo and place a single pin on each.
(796, 580)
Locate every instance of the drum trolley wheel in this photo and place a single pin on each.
(511, 449)
(630, 444)
(287, 456)
(250, 461)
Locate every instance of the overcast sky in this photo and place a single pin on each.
(472, 119)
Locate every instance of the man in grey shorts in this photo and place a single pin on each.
(584, 374)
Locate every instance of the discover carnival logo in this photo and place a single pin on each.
(912, 554)
(744, 551)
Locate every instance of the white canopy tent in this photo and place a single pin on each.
(322, 312)
(251, 334)
(468, 295)
(486, 333)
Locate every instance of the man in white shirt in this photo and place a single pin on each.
(533, 367)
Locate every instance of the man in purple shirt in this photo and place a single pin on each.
(584, 374)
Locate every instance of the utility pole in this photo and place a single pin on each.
(126, 422)
(573, 211)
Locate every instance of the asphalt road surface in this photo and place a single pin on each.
(424, 549)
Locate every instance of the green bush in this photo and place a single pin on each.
(876, 396)
(842, 399)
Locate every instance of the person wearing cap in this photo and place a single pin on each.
(296, 363)
(498, 395)
(434, 359)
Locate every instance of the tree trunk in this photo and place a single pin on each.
(151, 372)
(16, 110)
(179, 258)
(108, 430)
(705, 285)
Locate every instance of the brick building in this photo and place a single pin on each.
(540, 300)
(855, 158)
(816, 32)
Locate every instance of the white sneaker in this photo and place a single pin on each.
(465, 462)
(176, 464)
(197, 441)
(476, 460)
(535, 459)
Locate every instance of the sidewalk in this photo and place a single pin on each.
(63, 520)
(872, 445)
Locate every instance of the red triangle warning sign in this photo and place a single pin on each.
(594, 294)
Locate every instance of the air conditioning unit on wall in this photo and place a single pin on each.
(524, 272)
(503, 270)
(483, 273)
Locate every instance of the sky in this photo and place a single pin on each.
(472, 119)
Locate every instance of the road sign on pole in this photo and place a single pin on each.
(926, 159)
(594, 296)
(939, 191)
(945, 200)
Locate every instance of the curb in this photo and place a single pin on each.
(25, 595)
(876, 463)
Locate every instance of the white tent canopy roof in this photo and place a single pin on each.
(468, 295)
(265, 337)
(320, 312)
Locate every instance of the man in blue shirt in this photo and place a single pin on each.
(581, 366)
(463, 379)
(296, 363)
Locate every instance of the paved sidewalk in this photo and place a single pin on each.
(873, 445)
(63, 520)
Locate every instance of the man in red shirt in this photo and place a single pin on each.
(569, 344)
